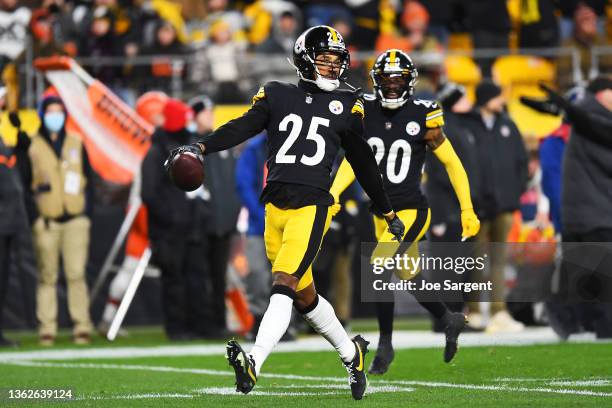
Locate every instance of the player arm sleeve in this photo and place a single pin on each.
(344, 178)
(456, 173)
(363, 163)
(238, 130)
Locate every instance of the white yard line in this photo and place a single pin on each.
(581, 383)
(401, 340)
(562, 382)
(426, 384)
(134, 396)
(231, 391)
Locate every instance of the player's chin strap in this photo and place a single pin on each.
(324, 84)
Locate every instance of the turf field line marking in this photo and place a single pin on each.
(134, 396)
(261, 391)
(510, 379)
(581, 383)
(318, 379)
(203, 371)
(232, 391)
(371, 388)
(503, 388)
(402, 340)
(585, 382)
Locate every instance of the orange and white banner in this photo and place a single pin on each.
(115, 137)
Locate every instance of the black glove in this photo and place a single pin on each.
(190, 148)
(541, 105)
(396, 227)
(14, 119)
(554, 97)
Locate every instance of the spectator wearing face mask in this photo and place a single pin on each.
(59, 177)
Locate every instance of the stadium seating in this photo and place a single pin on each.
(519, 75)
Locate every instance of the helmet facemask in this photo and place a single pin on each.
(320, 57)
(329, 68)
(393, 82)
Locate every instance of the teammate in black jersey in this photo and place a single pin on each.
(399, 130)
(306, 125)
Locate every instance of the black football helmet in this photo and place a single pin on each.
(314, 41)
(394, 76)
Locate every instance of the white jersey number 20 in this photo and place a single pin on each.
(378, 147)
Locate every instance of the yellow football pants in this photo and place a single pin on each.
(293, 238)
(416, 222)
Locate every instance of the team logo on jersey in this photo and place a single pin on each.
(336, 107)
(413, 128)
(505, 131)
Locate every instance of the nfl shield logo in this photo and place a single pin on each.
(388, 125)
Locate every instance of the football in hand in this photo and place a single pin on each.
(187, 171)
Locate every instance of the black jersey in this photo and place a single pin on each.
(305, 127)
(304, 132)
(397, 141)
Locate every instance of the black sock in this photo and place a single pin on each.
(384, 314)
(437, 309)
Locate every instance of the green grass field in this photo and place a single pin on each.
(570, 374)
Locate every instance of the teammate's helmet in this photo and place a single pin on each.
(314, 41)
(394, 76)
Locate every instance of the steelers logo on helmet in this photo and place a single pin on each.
(394, 77)
(320, 57)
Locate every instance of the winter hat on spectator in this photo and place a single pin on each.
(48, 100)
(599, 84)
(200, 103)
(449, 93)
(414, 12)
(485, 91)
(176, 115)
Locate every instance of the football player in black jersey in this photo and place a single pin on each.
(306, 124)
(400, 129)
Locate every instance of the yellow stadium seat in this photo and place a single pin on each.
(460, 42)
(522, 69)
(530, 122)
(29, 124)
(519, 75)
(463, 70)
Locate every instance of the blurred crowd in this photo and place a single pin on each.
(520, 190)
(204, 46)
